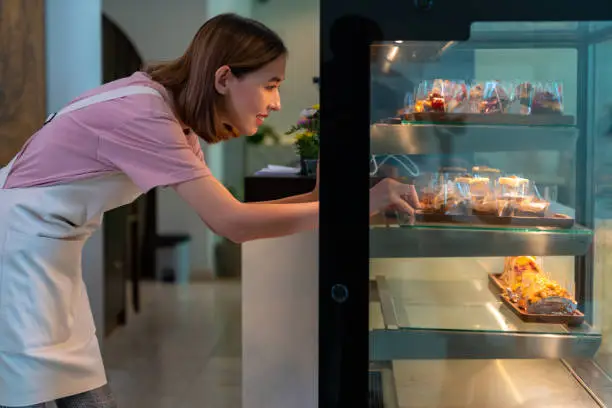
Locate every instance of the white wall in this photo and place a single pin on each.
(73, 36)
(297, 22)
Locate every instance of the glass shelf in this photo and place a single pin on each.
(460, 319)
(389, 240)
(460, 305)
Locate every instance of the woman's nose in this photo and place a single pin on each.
(275, 104)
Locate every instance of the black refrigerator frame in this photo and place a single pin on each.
(347, 29)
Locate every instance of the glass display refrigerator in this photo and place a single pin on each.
(494, 291)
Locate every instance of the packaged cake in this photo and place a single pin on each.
(441, 194)
(475, 97)
(430, 96)
(457, 97)
(513, 187)
(547, 99)
(495, 98)
(518, 198)
(524, 96)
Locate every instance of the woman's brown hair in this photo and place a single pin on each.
(243, 44)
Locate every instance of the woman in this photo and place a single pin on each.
(102, 151)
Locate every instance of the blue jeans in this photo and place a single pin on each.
(98, 398)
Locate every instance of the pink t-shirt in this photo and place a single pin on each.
(136, 134)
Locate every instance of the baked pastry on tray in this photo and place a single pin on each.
(532, 290)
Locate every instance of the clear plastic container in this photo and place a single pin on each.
(513, 188)
(441, 193)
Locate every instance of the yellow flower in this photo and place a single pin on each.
(316, 106)
(304, 135)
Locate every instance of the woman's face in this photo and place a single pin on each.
(250, 99)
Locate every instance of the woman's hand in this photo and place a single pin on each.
(392, 194)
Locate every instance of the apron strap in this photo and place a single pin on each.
(106, 96)
(91, 100)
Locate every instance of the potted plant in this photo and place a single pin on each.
(306, 140)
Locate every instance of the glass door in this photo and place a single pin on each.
(493, 125)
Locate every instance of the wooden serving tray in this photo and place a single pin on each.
(543, 119)
(494, 278)
(575, 319)
(550, 220)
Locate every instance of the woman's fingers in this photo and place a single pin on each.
(402, 205)
(412, 197)
(391, 193)
(408, 193)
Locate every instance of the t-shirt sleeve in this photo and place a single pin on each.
(152, 149)
(194, 141)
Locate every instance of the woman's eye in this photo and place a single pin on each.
(271, 87)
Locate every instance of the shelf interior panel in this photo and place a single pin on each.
(452, 139)
(488, 384)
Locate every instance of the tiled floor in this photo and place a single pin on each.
(182, 351)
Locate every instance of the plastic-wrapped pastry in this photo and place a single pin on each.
(531, 207)
(434, 103)
(486, 205)
(480, 187)
(518, 198)
(514, 266)
(427, 201)
(485, 180)
(449, 201)
(513, 187)
(427, 186)
(547, 98)
(524, 94)
(475, 98)
(532, 290)
(443, 198)
(495, 99)
(430, 96)
(540, 295)
(481, 196)
(457, 98)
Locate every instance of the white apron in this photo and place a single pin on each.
(48, 345)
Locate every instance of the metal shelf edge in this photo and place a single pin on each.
(388, 345)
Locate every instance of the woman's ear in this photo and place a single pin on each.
(222, 76)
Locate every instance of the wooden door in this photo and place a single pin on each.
(22, 73)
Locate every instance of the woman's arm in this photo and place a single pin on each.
(241, 222)
(301, 198)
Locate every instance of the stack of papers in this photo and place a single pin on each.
(275, 169)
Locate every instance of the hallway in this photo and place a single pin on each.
(182, 351)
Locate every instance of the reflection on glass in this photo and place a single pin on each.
(500, 136)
